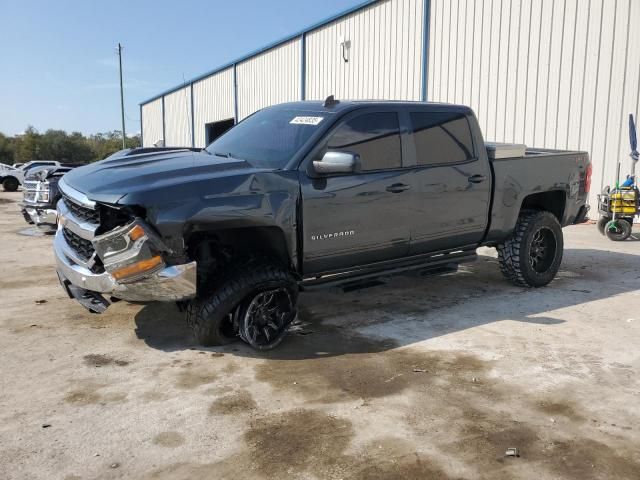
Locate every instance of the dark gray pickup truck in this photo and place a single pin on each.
(306, 194)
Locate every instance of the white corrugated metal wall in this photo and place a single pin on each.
(385, 61)
(384, 58)
(269, 78)
(177, 118)
(151, 122)
(213, 101)
(548, 73)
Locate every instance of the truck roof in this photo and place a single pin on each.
(344, 105)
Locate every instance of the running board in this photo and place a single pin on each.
(436, 262)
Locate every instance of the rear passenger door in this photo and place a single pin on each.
(451, 186)
(357, 218)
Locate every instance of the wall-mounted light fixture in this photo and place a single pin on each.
(345, 45)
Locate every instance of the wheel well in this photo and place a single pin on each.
(214, 249)
(553, 202)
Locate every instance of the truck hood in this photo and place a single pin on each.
(111, 179)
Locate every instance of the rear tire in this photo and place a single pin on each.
(10, 184)
(618, 230)
(531, 256)
(602, 223)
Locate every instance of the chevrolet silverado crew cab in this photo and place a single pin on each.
(40, 195)
(12, 177)
(306, 194)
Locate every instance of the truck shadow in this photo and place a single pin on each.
(412, 308)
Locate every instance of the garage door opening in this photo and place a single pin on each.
(215, 129)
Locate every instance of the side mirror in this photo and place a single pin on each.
(336, 162)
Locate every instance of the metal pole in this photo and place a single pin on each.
(124, 135)
(426, 28)
(235, 93)
(303, 66)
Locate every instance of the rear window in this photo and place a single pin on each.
(441, 138)
(373, 136)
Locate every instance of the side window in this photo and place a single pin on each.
(373, 136)
(441, 137)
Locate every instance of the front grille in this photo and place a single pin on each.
(84, 248)
(83, 213)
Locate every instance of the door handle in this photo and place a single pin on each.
(477, 178)
(397, 188)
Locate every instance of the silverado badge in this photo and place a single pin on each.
(326, 236)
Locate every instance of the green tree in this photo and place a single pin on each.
(62, 146)
(106, 143)
(58, 145)
(6, 150)
(27, 146)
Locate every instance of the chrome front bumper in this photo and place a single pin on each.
(45, 219)
(173, 283)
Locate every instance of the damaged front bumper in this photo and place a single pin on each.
(37, 205)
(43, 218)
(91, 289)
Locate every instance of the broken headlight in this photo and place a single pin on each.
(131, 251)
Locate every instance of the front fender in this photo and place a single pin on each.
(263, 199)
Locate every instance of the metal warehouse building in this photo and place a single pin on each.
(559, 74)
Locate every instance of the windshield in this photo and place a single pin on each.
(29, 166)
(268, 138)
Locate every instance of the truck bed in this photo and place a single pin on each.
(556, 177)
(510, 151)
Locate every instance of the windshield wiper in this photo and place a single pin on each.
(234, 156)
(228, 155)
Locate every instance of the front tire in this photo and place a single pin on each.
(10, 184)
(265, 315)
(211, 323)
(531, 256)
(217, 319)
(268, 307)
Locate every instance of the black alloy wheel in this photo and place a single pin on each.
(542, 251)
(531, 256)
(266, 316)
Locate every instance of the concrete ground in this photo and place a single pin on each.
(418, 378)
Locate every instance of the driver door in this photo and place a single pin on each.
(357, 218)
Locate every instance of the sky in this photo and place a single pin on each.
(58, 62)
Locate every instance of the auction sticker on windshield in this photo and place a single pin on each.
(306, 120)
